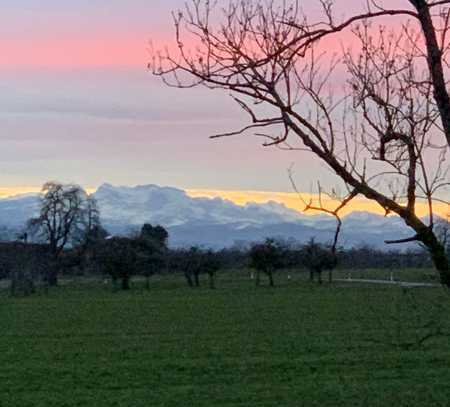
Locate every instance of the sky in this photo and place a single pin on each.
(77, 104)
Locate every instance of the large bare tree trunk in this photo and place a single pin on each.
(439, 257)
(434, 59)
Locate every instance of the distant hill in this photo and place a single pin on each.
(212, 222)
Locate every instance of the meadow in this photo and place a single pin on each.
(298, 344)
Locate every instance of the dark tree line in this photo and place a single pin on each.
(147, 253)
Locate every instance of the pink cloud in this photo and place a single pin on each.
(73, 52)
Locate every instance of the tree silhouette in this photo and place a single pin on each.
(195, 261)
(266, 257)
(318, 259)
(61, 219)
(152, 250)
(117, 257)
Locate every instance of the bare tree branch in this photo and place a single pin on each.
(378, 133)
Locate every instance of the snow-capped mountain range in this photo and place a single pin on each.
(212, 222)
(173, 207)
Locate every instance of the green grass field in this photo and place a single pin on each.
(296, 345)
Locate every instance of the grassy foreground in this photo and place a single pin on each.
(296, 345)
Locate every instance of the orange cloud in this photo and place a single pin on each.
(6, 192)
(292, 201)
(240, 197)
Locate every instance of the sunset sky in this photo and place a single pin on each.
(78, 105)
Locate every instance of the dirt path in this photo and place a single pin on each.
(400, 283)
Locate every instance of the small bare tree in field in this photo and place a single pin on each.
(266, 257)
(385, 132)
(196, 261)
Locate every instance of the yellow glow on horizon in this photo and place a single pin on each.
(8, 192)
(292, 201)
(289, 199)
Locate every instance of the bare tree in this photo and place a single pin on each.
(117, 256)
(89, 228)
(195, 261)
(61, 217)
(152, 253)
(267, 257)
(92, 213)
(385, 133)
(318, 258)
